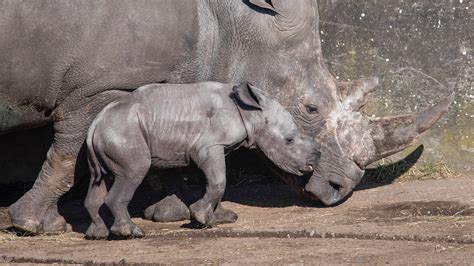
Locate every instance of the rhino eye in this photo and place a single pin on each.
(289, 140)
(311, 109)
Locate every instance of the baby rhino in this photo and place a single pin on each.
(167, 126)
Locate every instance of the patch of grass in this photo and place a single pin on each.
(429, 171)
(405, 171)
(12, 235)
(7, 236)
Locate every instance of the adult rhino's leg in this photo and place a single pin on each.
(172, 209)
(175, 205)
(37, 211)
(224, 216)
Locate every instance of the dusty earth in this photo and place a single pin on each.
(428, 221)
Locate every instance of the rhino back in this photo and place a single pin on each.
(174, 118)
(50, 48)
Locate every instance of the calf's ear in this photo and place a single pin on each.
(248, 96)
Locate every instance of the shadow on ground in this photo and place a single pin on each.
(387, 174)
(257, 189)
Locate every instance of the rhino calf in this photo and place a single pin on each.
(167, 126)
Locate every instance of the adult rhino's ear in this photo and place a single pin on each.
(266, 4)
(249, 96)
(291, 16)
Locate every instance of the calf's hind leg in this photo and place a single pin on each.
(95, 200)
(129, 169)
(117, 200)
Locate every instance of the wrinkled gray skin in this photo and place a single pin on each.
(167, 126)
(71, 58)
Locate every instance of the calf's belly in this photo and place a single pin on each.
(170, 162)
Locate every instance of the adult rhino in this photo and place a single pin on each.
(69, 59)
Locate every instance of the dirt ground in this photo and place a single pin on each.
(428, 221)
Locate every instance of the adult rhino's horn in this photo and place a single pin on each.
(353, 93)
(393, 134)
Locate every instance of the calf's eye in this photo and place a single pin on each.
(311, 109)
(289, 140)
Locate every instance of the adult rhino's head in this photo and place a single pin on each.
(275, 44)
(351, 140)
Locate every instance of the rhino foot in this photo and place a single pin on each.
(24, 220)
(53, 222)
(30, 217)
(225, 216)
(126, 229)
(169, 209)
(97, 232)
(203, 213)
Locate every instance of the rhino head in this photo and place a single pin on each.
(275, 44)
(351, 140)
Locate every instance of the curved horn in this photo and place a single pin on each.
(393, 134)
(353, 93)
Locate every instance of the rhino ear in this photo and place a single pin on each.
(266, 4)
(249, 96)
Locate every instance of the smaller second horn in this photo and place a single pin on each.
(353, 93)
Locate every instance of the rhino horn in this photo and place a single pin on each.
(393, 134)
(353, 93)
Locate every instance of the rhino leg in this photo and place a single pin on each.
(174, 206)
(173, 209)
(169, 209)
(212, 163)
(224, 216)
(94, 201)
(36, 211)
(118, 199)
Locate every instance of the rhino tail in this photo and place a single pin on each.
(95, 166)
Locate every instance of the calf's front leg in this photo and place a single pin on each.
(212, 163)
